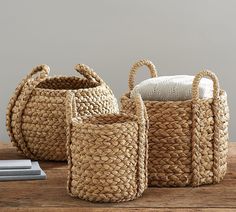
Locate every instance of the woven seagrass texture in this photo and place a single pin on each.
(107, 154)
(36, 114)
(187, 139)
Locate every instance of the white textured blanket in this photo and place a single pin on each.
(172, 88)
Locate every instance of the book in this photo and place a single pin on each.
(15, 164)
(41, 176)
(34, 170)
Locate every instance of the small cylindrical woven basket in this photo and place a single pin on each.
(188, 140)
(107, 155)
(36, 114)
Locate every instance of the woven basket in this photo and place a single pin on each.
(36, 114)
(107, 155)
(187, 139)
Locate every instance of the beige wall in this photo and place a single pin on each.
(180, 37)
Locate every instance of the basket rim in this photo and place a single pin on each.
(221, 94)
(96, 87)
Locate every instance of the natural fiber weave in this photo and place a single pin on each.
(36, 115)
(107, 154)
(187, 139)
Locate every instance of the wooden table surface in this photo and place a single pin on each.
(51, 194)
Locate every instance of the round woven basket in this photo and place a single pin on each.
(187, 139)
(107, 155)
(36, 114)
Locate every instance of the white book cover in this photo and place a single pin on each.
(34, 170)
(15, 164)
(41, 176)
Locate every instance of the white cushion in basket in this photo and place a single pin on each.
(172, 88)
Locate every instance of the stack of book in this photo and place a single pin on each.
(20, 170)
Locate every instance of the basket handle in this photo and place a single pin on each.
(22, 94)
(141, 113)
(140, 109)
(43, 71)
(136, 66)
(196, 121)
(71, 111)
(197, 79)
(88, 73)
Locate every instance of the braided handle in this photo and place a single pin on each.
(88, 73)
(196, 125)
(140, 108)
(136, 66)
(141, 113)
(197, 79)
(43, 71)
(22, 95)
(70, 114)
(71, 109)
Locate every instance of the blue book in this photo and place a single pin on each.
(34, 170)
(15, 164)
(40, 176)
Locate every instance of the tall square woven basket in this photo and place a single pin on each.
(188, 140)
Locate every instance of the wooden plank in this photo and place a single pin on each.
(51, 194)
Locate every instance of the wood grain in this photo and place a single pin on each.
(51, 194)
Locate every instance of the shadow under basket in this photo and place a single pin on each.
(107, 155)
(36, 115)
(188, 140)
